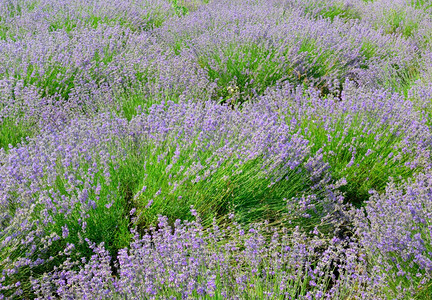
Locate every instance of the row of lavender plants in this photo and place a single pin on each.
(215, 149)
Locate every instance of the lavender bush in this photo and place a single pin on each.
(79, 181)
(228, 263)
(247, 49)
(32, 17)
(298, 131)
(396, 231)
(365, 137)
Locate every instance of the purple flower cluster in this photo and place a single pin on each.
(365, 135)
(227, 153)
(19, 19)
(191, 262)
(60, 188)
(247, 47)
(70, 184)
(396, 230)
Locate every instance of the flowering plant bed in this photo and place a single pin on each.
(215, 149)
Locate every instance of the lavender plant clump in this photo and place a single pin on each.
(215, 149)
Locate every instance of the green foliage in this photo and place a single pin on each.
(399, 78)
(54, 79)
(106, 221)
(133, 101)
(180, 7)
(368, 50)
(249, 69)
(339, 10)
(424, 293)
(244, 71)
(171, 184)
(366, 170)
(397, 22)
(184, 7)
(421, 4)
(12, 133)
(94, 21)
(319, 64)
(67, 24)
(402, 79)
(4, 32)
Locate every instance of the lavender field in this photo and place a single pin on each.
(216, 149)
